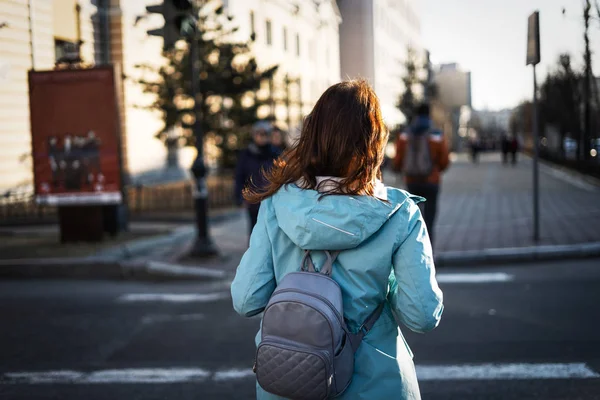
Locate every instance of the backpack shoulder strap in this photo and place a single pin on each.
(328, 266)
(356, 338)
(326, 269)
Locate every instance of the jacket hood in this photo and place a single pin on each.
(334, 222)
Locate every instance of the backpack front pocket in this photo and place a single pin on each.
(292, 371)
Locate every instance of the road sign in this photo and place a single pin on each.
(533, 39)
(75, 137)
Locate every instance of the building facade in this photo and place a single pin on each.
(374, 38)
(26, 41)
(302, 39)
(36, 33)
(454, 93)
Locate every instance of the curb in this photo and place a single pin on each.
(215, 217)
(86, 269)
(566, 172)
(144, 269)
(142, 260)
(517, 255)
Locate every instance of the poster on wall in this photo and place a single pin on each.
(75, 137)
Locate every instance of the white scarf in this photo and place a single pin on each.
(329, 183)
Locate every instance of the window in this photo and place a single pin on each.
(285, 39)
(298, 44)
(66, 51)
(269, 37)
(252, 23)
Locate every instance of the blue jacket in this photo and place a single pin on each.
(385, 256)
(251, 162)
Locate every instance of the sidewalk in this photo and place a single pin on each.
(486, 208)
(485, 216)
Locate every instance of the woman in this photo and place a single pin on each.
(324, 194)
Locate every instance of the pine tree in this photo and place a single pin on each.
(229, 79)
(408, 99)
(415, 86)
(561, 97)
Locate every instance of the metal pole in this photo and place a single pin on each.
(536, 147)
(203, 246)
(587, 92)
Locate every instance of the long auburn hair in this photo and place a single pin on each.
(344, 136)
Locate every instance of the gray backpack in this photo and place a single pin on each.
(306, 350)
(417, 161)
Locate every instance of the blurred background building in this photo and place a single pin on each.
(26, 40)
(453, 86)
(38, 34)
(374, 39)
(302, 38)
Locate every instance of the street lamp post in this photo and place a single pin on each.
(181, 22)
(533, 58)
(203, 246)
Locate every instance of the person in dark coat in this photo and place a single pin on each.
(505, 148)
(514, 148)
(258, 156)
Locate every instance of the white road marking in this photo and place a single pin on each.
(232, 374)
(173, 297)
(484, 277)
(33, 378)
(179, 375)
(147, 375)
(505, 372)
(143, 375)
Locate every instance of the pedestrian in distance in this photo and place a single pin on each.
(514, 148)
(475, 147)
(258, 156)
(278, 141)
(324, 205)
(422, 156)
(505, 146)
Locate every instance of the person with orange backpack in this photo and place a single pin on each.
(421, 156)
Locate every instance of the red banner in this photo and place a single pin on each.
(75, 136)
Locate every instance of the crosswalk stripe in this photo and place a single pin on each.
(233, 374)
(505, 372)
(469, 372)
(136, 375)
(477, 277)
(173, 297)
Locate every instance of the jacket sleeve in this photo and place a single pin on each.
(414, 295)
(240, 177)
(444, 158)
(254, 280)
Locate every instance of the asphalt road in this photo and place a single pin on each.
(516, 332)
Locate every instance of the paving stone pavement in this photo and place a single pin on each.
(489, 205)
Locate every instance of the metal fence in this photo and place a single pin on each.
(21, 208)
